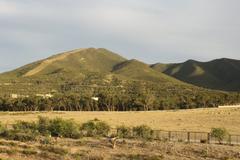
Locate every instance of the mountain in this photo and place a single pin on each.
(74, 62)
(219, 74)
(81, 62)
(82, 67)
(73, 78)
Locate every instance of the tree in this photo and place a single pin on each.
(219, 134)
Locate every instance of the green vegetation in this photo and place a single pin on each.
(219, 133)
(143, 132)
(30, 131)
(57, 127)
(124, 132)
(74, 77)
(95, 128)
(63, 128)
(137, 97)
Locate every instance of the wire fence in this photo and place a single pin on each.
(192, 137)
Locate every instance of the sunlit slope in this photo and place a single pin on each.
(75, 62)
(138, 70)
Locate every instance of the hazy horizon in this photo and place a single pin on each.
(151, 31)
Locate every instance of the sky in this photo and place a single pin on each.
(152, 31)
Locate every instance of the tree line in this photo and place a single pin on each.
(113, 101)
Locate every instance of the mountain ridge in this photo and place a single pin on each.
(219, 74)
(73, 78)
(83, 62)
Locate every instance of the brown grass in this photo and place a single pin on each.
(100, 149)
(182, 120)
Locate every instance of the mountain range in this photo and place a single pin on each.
(91, 66)
(219, 74)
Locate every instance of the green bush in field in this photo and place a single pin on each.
(19, 136)
(21, 131)
(89, 129)
(43, 126)
(102, 128)
(64, 128)
(29, 131)
(23, 126)
(2, 128)
(219, 134)
(95, 128)
(143, 132)
(123, 132)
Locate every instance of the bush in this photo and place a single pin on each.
(219, 134)
(28, 131)
(123, 132)
(19, 136)
(25, 127)
(64, 128)
(21, 131)
(2, 128)
(95, 128)
(102, 128)
(143, 132)
(43, 126)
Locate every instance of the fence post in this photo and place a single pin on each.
(169, 135)
(188, 137)
(230, 139)
(209, 138)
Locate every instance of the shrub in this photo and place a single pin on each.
(143, 132)
(123, 132)
(2, 128)
(95, 128)
(43, 125)
(102, 128)
(219, 134)
(25, 127)
(64, 128)
(88, 129)
(21, 131)
(19, 136)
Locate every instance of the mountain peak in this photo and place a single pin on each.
(45, 63)
(78, 61)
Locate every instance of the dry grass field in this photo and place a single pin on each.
(100, 149)
(181, 120)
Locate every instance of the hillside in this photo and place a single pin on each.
(78, 61)
(138, 70)
(73, 78)
(219, 74)
(80, 67)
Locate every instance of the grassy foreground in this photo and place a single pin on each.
(182, 120)
(100, 149)
(58, 139)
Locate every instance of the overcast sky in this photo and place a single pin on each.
(148, 30)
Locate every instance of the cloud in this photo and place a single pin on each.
(7, 8)
(153, 30)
